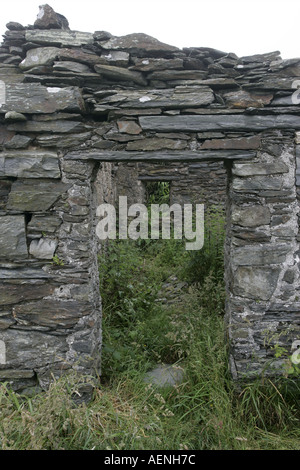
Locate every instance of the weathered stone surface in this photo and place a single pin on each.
(264, 255)
(129, 127)
(258, 283)
(48, 19)
(13, 292)
(155, 143)
(78, 55)
(16, 374)
(71, 66)
(44, 223)
(121, 137)
(251, 216)
(252, 169)
(5, 187)
(257, 183)
(117, 113)
(269, 56)
(219, 122)
(62, 141)
(5, 135)
(151, 65)
(13, 237)
(180, 97)
(43, 248)
(183, 156)
(34, 198)
(15, 271)
(34, 98)
(244, 99)
(102, 35)
(64, 38)
(285, 101)
(118, 58)
(59, 116)
(137, 42)
(78, 200)
(29, 164)
(272, 83)
(18, 142)
(32, 350)
(41, 56)
(293, 70)
(15, 26)
(14, 117)
(178, 75)
(6, 322)
(62, 127)
(51, 313)
(10, 74)
(220, 82)
(120, 74)
(235, 143)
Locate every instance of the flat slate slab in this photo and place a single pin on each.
(219, 122)
(161, 156)
(33, 98)
(57, 37)
(29, 164)
(13, 237)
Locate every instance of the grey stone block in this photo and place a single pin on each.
(251, 216)
(34, 198)
(13, 237)
(219, 122)
(29, 164)
(256, 283)
(43, 248)
(34, 98)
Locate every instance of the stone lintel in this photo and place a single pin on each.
(161, 156)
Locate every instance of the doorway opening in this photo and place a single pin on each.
(158, 298)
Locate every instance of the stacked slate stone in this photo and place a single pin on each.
(71, 100)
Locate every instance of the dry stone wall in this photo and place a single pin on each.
(196, 182)
(73, 106)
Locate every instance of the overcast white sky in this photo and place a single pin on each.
(245, 27)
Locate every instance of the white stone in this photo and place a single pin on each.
(44, 248)
(53, 89)
(143, 99)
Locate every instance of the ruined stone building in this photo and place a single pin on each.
(77, 111)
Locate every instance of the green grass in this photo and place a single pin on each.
(206, 412)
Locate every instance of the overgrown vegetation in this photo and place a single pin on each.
(206, 411)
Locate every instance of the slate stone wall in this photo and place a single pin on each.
(262, 270)
(197, 182)
(74, 107)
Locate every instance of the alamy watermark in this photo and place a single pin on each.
(296, 94)
(158, 221)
